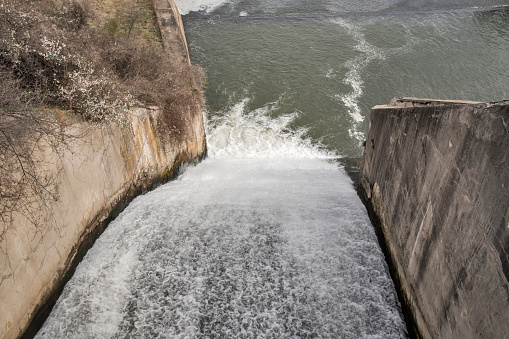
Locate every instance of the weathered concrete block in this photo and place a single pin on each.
(171, 27)
(436, 174)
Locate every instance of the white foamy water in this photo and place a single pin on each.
(186, 6)
(242, 134)
(356, 66)
(270, 244)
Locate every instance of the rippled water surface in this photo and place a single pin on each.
(267, 238)
(330, 70)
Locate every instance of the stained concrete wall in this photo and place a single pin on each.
(101, 169)
(436, 174)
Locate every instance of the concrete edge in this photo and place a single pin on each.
(169, 18)
(405, 300)
(96, 227)
(406, 102)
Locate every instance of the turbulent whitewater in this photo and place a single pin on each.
(265, 238)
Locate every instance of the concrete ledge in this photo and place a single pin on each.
(406, 102)
(172, 28)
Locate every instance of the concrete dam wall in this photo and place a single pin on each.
(102, 169)
(436, 174)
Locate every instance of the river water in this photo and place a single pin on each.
(267, 237)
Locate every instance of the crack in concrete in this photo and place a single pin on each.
(417, 238)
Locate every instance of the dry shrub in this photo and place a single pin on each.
(97, 70)
(67, 54)
(26, 183)
(154, 77)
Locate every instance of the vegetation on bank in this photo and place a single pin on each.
(95, 59)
